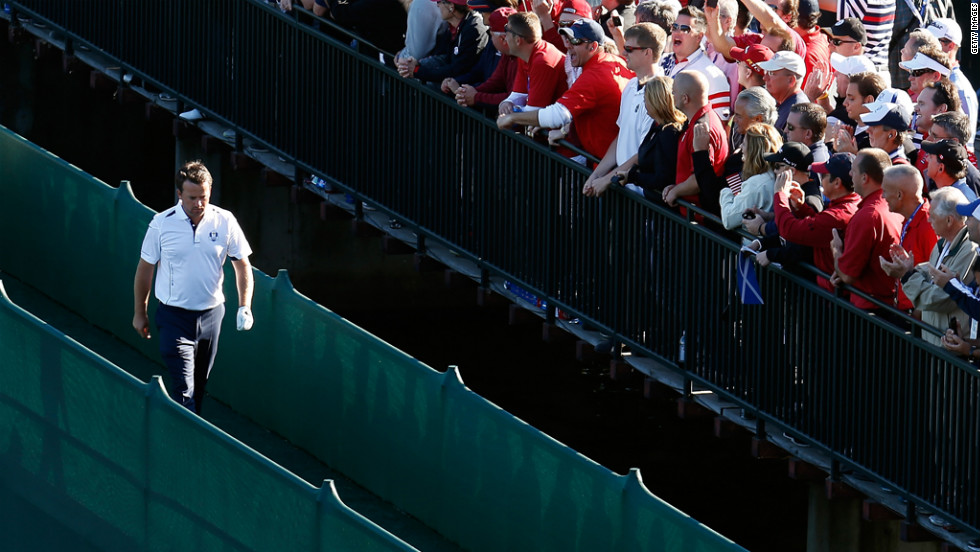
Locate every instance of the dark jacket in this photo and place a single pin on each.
(656, 161)
(454, 56)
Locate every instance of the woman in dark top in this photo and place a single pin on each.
(656, 160)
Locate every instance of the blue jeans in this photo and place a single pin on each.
(188, 344)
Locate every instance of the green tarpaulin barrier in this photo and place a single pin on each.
(411, 435)
(93, 459)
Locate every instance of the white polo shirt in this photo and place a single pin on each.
(634, 122)
(189, 262)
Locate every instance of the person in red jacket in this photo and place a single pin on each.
(869, 235)
(592, 103)
(800, 224)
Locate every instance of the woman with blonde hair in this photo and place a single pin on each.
(758, 177)
(655, 164)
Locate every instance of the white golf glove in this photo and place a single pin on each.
(245, 319)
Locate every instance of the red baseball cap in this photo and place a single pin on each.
(752, 56)
(498, 19)
(580, 8)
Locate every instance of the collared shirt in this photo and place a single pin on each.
(634, 122)
(898, 156)
(718, 89)
(783, 108)
(542, 77)
(189, 260)
(961, 186)
(871, 232)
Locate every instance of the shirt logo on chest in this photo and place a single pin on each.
(213, 235)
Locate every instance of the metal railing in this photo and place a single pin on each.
(878, 400)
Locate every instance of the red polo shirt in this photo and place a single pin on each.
(542, 77)
(872, 230)
(593, 100)
(717, 147)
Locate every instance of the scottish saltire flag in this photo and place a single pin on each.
(748, 284)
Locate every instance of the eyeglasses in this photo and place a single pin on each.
(631, 49)
(565, 23)
(576, 41)
(920, 72)
(680, 28)
(839, 41)
(507, 29)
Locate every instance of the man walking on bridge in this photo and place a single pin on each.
(188, 245)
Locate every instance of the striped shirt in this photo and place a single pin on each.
(718, 88)
(878, 17)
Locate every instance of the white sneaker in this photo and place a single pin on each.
(192, 115)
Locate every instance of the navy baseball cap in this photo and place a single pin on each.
(838, 166)
(584, 29)
(888, 114)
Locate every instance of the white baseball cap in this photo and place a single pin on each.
(946, 28)
(791, 61)
(892, 96)
(922, 61)
(851, 65)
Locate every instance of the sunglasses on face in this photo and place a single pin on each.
(920, 72)
(507, 29)
(576, 41)
(631, 49)
(839, 41)
(680, 28)
(565, 23)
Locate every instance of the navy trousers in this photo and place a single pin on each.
(188, 344)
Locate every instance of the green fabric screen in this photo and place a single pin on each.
(413, 436)
(114, 464)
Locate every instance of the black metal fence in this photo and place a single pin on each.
(879, 401)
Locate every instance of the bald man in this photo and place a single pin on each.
(955, 251)
(690, 93)
(902, 191)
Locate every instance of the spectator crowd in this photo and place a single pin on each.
(850, 146)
